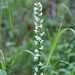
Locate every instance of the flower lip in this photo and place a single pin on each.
(35, 58)
(40, 64)
(36, 50)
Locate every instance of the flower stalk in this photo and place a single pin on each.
(38, 37)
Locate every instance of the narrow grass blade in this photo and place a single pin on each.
(58, 13)
(30, 52)
(72, 30)
(55, 43)
(10, 16)
(55, 65)
(13, 62)
(1, 21)
(58, 62)
(67, 10)
(3, 66)
(49, 36)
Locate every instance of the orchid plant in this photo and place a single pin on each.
(38, 38)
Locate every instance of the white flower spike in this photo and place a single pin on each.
(38, 37)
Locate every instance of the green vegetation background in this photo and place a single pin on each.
(17, 34)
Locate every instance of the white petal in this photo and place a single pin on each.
(35, 31)
(35, 74)
(40, 14)
(36, 69)
(42, 73)
(35, 12)
(41, 21)
(35, 42)
(37, 55)
(35, 9)
(41, 9)
(36, 27)
(35, 23)
(36, 51)
(39, 3)
(41, 48)
(41, 41)
(42, 33)
(40, 64)
(35, 58)
(35, 4)
(40, 26)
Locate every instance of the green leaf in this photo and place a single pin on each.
(2, 56)
(1, 3)
(55, 43)
(10, 15)
(58, 13)
(58, 62)
(3, 66)
(30, 52)
(3, 72)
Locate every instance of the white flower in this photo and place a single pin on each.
(35, 3)
(35, 42)
(35, 9)
(35, 23)
(36, 69)
(41, 41)
(35, 12)
(40, 9)
(40, 14)
(37, 55)
(42, 33)
(40, 64)
(39, 3)
(37, 19)
(36, 51)
(40, 26)
(35, 31)
(42, 73)
(38, 38)
(36, 27)
(35, 74)
(41, 21)
(35, 58)
(41, 47)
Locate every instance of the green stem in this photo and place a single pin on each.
(1, 23)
